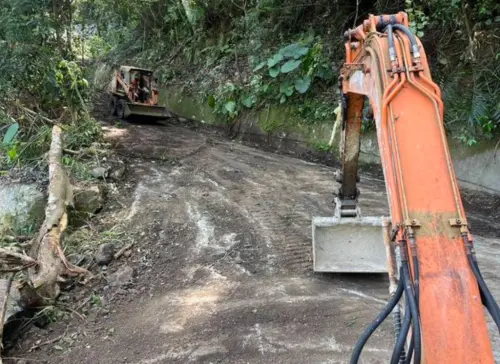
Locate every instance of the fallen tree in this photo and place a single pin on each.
(46, 262)
(51, 262)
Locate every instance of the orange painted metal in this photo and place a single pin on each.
(422, 188)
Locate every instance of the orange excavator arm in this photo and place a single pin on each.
(439, 277)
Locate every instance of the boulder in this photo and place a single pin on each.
(88, 199)
(22, 206)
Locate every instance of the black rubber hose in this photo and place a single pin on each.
(414, 312)
(417, 279)
(486, 296)
(396, 318)
(411, 36)
(483, 298)
(390, 37)
(411, 348)
(488, 300)
(399, 348)
(356, 353)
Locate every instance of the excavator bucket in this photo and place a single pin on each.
(150, 111)
(349, 244)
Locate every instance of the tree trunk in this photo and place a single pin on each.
(43, 278)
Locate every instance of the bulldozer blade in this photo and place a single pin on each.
(349, 245)
(157, 112)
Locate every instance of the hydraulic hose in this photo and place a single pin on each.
(488, 300)
(486, 297)
(483, 298)
(417, 275)
(376, 323)
(398, 355)
(411, 36)
(411, 348)
(410, 297)
(390, 37)
(396, 318)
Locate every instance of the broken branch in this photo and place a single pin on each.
(5, 290)
(123, 250)
(11, 261)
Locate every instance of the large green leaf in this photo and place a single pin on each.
(294, 51)
(248, 101)
(259, 66)
(275, 71)
(286, 88)
(274, 60)
(303, 84)
(290, 66)
(11, 133)
(12, 153)
(211, 101)
(230, 106)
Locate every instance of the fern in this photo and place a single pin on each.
(471, 99)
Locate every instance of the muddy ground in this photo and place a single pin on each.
(222, 262)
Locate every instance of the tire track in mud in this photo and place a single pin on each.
(291, 245)
(282, 220)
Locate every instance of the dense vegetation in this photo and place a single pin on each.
(40, 81)
(232, 54)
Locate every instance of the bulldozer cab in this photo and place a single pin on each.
(141, 84)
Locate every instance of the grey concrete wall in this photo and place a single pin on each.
(479, 171)
(476, 167)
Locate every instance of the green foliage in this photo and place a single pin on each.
(72, 88)
(271, 124)
(82, 133)
(321, 147)
(229, 50)
(418, 19)
(40, 81)
(10, 134)
(313, 111)
(295, 67)
(76, 168)
(461, 38)
(302, 84)
(472, 102)
(226, 101)
(97, 47)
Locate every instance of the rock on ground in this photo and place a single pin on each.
(104, 254)
(21, 206)
(124, 276)
(117, 173)
(99, 172)
(88, 199)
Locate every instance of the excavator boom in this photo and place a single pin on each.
(387, 65)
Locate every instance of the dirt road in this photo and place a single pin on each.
(223, 262)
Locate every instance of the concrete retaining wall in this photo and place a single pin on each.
(476, 167)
